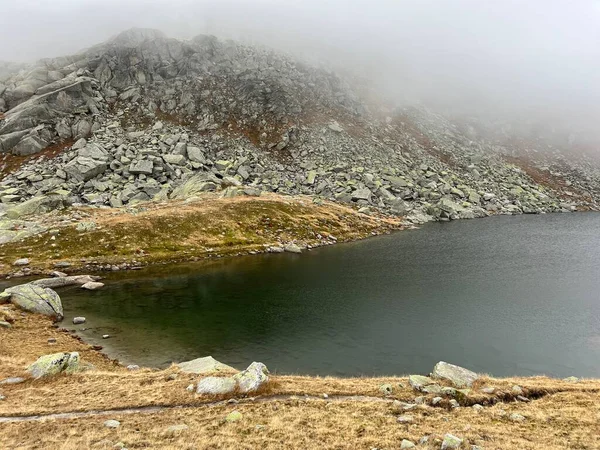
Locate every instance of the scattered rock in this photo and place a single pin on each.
(234, 416)
(451, 442)
(133, 367)
(292, 248)
(21, 262)
(204, 365)
(458, 376)
(386, 389)
(407, 444)
(407, 418)
(111, 423)
(253, 378)
(572, 380)
(216, 386)
(517, 390)
(515, 417)
(78, 320)
(13, 380)
(92, 286)
(4, 324)
(54, 364)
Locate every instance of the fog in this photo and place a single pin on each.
(536, 60)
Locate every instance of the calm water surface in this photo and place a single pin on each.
(503, 295)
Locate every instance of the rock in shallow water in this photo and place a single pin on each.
(36, 299)
(92, 286)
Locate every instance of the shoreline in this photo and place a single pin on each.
(147, 403)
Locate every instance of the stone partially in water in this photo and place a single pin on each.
(458, 376)
(36, 299)
(251, 379)
(216, 386)
(54, 364)
(78, 320)
(207, 364)
(92, 286)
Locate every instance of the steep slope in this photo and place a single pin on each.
(145, 117)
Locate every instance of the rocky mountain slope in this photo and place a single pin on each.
(144, 117)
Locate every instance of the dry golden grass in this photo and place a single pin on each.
(291, 413)
(172, 231)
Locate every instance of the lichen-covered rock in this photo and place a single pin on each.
(36, 299)
(251, 379)
(451, 442)
(207, 364)
(216, 386)
(54, 364)
(458, 376)
(419, 381)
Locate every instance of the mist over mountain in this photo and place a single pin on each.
(533, 64)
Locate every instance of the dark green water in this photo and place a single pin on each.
(504, 295)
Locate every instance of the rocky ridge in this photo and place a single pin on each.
(145, 117)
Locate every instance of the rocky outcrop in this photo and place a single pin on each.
(36, 299)
(54, 364)
(156, 118)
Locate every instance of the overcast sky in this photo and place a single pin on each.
(538, 54)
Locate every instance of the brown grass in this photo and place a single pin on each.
(290, 413)
(181, 231)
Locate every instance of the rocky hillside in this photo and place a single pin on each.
(144, 117)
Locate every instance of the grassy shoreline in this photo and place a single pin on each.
(292, 412)
(181, 231)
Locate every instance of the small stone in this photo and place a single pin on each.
(386, 389)
(190, 388)
(451, 442)
(454, 403)
(4, 324)
(177, 428)
(133, 367)
(325, 396)
(419, 381)
(517, 390)
(407, 444)
(52, 341)
(407, 418)
(2, 397)
(12, 380)
(523, 399)
(488, 390)
(477, 407)
(436, 400)
(515, 417)
(234, 416)
(78, 320)
(572, 380)
(105, 336)
(92, 285)
(21, 262)
(112, 423)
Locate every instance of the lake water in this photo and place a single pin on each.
(503, 295)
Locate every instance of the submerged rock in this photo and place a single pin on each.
(458, 376)
(36, 299)
(54, 364)
(251, 379)
(92, 286)
(207, 364)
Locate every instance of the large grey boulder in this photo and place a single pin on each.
(54, 364)
(84, 168)
(37, 205)
(208, 364)
(29, 146)
(253, 378)
(216, 386)
(36, 299)
(458, 376)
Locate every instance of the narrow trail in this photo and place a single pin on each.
(157, 409)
